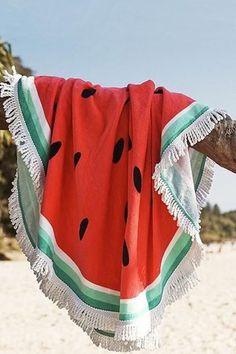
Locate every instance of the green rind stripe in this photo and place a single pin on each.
(93, 293)
(66, 274)
(182, 123)
(27, 88)
(156, 290)
(105, 333)
(47, 248)
(28, 202)
(100, 297)
(155, 301)
(23, 216)
(198, 161)
(177, 201)
(195, 163)
(154, 295)
(45, 245)
(61, 269)
(201, 170)
(80, 288)
(30, 123)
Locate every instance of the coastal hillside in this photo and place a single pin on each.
(217, 226)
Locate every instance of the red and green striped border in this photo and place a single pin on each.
(43, 238)
(178, 124)
(69, 273)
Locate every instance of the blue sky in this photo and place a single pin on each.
(187, 46)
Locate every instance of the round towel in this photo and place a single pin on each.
(107, 198)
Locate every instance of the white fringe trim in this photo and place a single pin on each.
(196, 132)
(19, 134)
(149, 342)
(129, 335)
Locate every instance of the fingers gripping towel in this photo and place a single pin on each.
(107, 198)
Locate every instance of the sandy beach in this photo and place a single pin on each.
(202, 322)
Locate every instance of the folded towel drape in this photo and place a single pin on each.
(107, 197)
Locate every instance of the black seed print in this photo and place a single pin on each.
(125, 257)
(137, 179)
(54, 107)
(77, 156)
(54, 148)
(83, 227)
(118, 149)
(158, 91)
(88, 92)
(129, 144)
(126, 212)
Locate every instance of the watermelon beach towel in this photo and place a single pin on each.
(107, 197)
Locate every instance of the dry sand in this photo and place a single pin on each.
(202, 322)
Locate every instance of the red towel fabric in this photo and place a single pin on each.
(107, 197)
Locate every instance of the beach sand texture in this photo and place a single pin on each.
(201, 322)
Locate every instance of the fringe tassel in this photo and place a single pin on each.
(174, 209)
(149, 342)
(182, 279)
(19, 134)
(193, 134)
(196, 132)
(205, 184)
(127, 334)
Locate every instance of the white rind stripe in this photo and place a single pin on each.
(176, 117)
(39, 109)
(44, 223)
(157, 280)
